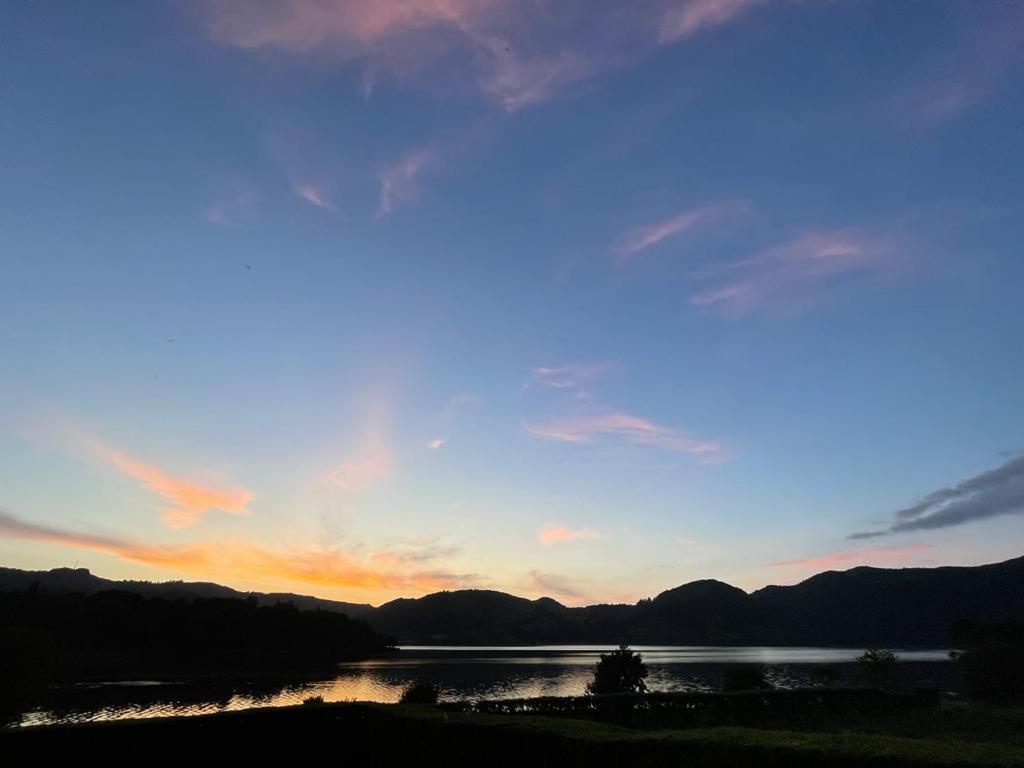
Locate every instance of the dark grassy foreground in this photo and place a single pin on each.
(372, 734)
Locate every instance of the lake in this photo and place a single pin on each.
(464, 673)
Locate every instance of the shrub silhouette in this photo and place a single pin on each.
(621, 671)
(420, 693)
(826, 675)
(745, 678)
(310, 701)
(992, 659)
(879, 668)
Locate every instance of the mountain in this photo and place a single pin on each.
(860, 607)
(81, 580)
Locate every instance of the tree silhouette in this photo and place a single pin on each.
(621, 671)
(879, 668)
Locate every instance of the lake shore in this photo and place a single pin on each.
(375, 734)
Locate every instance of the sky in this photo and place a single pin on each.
(579, 299)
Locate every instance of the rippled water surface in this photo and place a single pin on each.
(463, 673)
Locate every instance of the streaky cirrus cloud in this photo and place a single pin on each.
(190, 500)
(568, 376)
(439, 442)
(854, 557)
(588, 426)
(803, 263)
(553, 584)
(685, 19)
(372, 459)
(995, 493)
(647, 236)
(400, 182)
(552, 534)
(517, 53)
(244, 561)
(314, 196)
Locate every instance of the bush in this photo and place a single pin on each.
(826, 675)
(879, 668)
(621, 671)
(745, 678)
(993, 671)
(310, 701)
(420, 693)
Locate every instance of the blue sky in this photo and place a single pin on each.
(579, 299)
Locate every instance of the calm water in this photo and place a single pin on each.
(463, 673)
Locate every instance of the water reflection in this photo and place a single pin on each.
(462, 673)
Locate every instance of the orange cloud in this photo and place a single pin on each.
(550, 535)
(240, 560)
(852, 557)
(190, 500)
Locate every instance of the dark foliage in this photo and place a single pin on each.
(119, 630)
(879, 668)
(621, 671)
(991, 660)
(420, 693)
(381, 735)
(748, 677)
(826, 675)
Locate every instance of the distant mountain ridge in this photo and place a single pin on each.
(861, 607)
(82, 580)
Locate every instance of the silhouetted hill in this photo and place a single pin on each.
(913, 606)
(860, 607)
(82, 581)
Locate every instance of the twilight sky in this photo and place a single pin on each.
(574, 298)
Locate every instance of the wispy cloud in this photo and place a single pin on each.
(372, 459)
(518, 54)
(553, 584)
(644, 237)
(995, 493)
(687, 18)
(439, 442)
(853, 557)
(803, 263)
(314, 196)
(231, 201)
(245, 561)
(568, 376)
(400, 182)
(587, 427)
(552, 534)
(190, 500)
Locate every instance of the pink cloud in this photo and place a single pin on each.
(802, 263)
(687, 18)
(853, 557)
(438, 443)
(371, 460)
(568, 376)
(552, 534)
(313, 196)
(641, 238)
(586, 427)
(400, 182)
(517, 53)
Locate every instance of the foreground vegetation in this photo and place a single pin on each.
(391, 734)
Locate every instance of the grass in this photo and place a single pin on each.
(391, 734)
